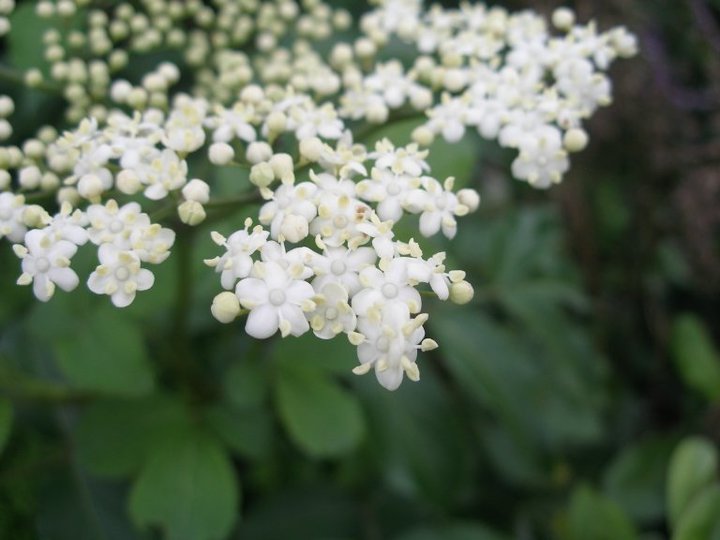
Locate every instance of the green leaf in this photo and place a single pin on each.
(701, 518)
(335, 355)
(106, 355)
(694, 465)
(187, 487)
(636, 479)
(695, 355)
(244, 383)
(26, 50)
(322, 418)
(114, 436)
(6, 416)
(247, 431)
(592, 516)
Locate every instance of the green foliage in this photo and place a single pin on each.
(322, 418)
(695, 356)
(6, 416)
(592, 516)
(187, 487)
(694, 466)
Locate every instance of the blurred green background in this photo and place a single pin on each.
(577, 397)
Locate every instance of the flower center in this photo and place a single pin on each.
(440, 203)
(390, 290)
(116, 226)
(382, 344)
(331, 314)
(277, 297)
(338, 268)
(42, 264)
(340, 222)
(393, 189)
(122, 273)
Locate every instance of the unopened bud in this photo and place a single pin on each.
(196, 190)
(191, 213)
(461, 292)
(262, 174)
(575, 139)
(470, 198)
(221, 153)
(283, 168)
(294, 228)
(225, 307)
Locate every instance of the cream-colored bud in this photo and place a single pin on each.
(34, 216)
(68, 194)
(470, 198)
(575, 139)
(377, 113)
(461, 292)
(258, 151)
(221, 153)
(563, 18)
(33, 148)
(128, 182)
(5, 179)
(49, 181)
(7, 106)
(225, 307)
(262, 174)
(90, 187)
(423, 136)
(276, 122)
(5, 129)
(294, 228)
(196, 190)
(137, 98)
(365, 48)
(311, 148)
(29, 177)
(252, 93)
(33, 77)
(341, 55)
(283, 168)
(191, 213)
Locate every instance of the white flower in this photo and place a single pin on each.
(382, 236)
(408, 160)
(11, 211)
(333, 314)
(152, 243)
(119, 275)
(288, 200)
(384, 287)
(69, 225)
(112, 224)
(439, 206)
(166, 172)
(388, 189)
(542, 160)
(390, 344)
(237, 262)
(341, 265)
(276, 300)
(231, 123)
(337, 219)
(46, 263)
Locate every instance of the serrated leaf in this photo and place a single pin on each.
(592, 516)
(107, 355)
(700, 520)
(693, 466)
(695, 355)
(114, 436)
(322, 418)
(187, 487)
(6, 417)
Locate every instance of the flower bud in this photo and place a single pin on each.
(575, 139)
(29, 177)
(191, 213)
(311, 148)
(563, 18)
(423, 136)
(470, 198)
(196, 190)
(258, 151)
(90, 187)
(294, 228)
(225, 307)
(7, 106)
(461, 292)
(276, 122)
(262, 174)
(283, 168)
(221, 153)
(128, 182)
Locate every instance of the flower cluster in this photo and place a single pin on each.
(291, 122)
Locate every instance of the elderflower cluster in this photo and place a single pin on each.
(256, 93)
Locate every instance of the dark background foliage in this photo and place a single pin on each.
(551, 409)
